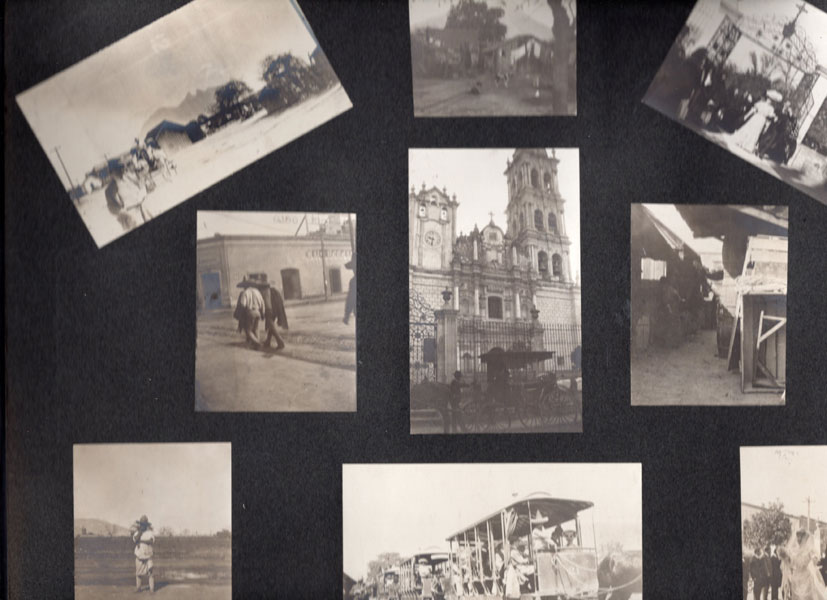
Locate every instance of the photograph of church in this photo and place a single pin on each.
(494, 310)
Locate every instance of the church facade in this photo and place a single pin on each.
(496, 279)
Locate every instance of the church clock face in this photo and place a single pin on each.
(432, 239)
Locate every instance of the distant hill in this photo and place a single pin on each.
(99, 527)
(190, 107)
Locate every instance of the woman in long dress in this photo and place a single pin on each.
(801, 577)
(755, 120)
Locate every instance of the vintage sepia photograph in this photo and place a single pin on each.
(752, 77)
(708, 304)
(493, 58)
(484, 531)
(494, 275)
(784, 522)
(171, 109)
(276, 312)
(153, 518)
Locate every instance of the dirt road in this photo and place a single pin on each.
(316, 371)
(179, 591)
(690, 375)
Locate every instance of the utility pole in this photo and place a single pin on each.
(324, 264)
(65, 170)
(809, 501)
(350, 229)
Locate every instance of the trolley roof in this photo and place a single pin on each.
(557, 510)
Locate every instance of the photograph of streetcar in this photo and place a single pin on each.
(482, 531)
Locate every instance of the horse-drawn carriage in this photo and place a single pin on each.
(517, 389)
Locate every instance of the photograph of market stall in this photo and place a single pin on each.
(708, 304)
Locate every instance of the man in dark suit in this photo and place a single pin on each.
(273, 309)
(775, 572)
(760, 571)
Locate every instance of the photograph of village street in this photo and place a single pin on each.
(490, 58)
(494, 311)
(505, 530)
(152, 518)
(784, 522)
(708, 304)
(276, 312)
(171, 109)
(752, 77)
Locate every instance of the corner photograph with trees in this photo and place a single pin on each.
(478, 58)
(751, 77)
(248, 78)
(784, 521)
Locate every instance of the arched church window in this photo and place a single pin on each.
(443, 214)
(538, 219)
(535, 178)
(495, 307)
(421, 210)
(542, 262)
(552, 222)
(547, 181)
(557, 265)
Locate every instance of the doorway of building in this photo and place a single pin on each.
(335, 277)
(211, 285)
(291, 284)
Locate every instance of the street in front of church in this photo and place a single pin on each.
(315, 372)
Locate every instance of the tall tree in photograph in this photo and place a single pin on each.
(770, 526)
(288, 80)
(564, 30)
(469, 14)
(228, 95)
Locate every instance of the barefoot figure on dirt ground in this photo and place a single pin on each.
(143, 538)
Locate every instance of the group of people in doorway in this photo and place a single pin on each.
(794, 571)
(694, 88)
(680, 303)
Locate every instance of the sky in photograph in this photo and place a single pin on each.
(786, 473)
(409, 507)
(98, 106)
(477, 178)
(211, 222)
(521, 16)
(669, 216)
(183, 486)
(813, 23)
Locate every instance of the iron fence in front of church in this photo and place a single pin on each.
(476, 336)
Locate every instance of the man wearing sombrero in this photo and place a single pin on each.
(249, 310)
(143, 538)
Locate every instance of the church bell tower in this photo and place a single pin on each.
(536, 213)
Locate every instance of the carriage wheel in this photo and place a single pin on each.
(498, 418)
(562, 409)
(528, 411)
(470, 418)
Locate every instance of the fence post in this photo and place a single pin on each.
(537, 331)
(446, 341)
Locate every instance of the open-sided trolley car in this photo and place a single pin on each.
(531, 549)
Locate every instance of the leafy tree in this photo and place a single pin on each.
(224, 534)
(229, 94)
(469, 14)
(288, 79)
(770, 526)
(377, 567)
